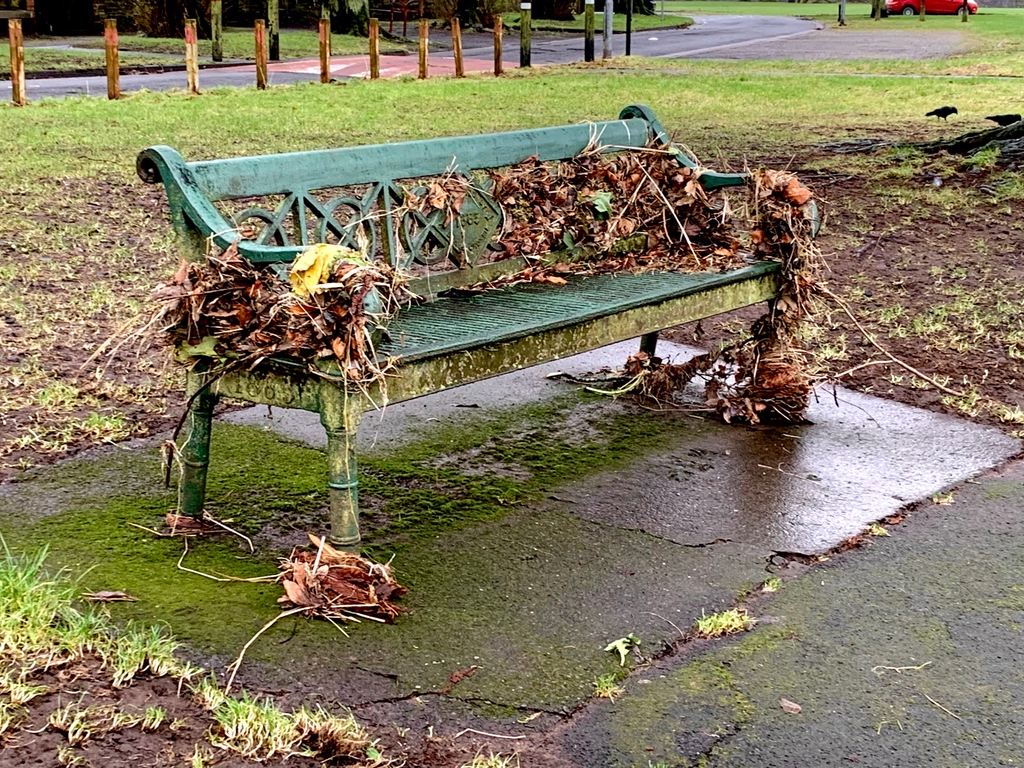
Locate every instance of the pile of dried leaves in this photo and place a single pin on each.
(595, 200)
(229, 311)
(334, 584)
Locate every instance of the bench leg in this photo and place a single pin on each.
(195, 451)
(340, 416)
(649, 343)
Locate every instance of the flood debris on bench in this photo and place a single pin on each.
(764, 377)
(228, 310)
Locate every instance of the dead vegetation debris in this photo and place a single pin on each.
(332, 583)
(228, 312)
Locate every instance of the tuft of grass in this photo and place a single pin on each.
(257, 729)
(607, 687)
(8, 715)
(728, 622)
(877, 529)
(20, 692)
(40, 627)
(140, 649)
(942, 499)
(69, 758)
(492, 760)
(771, 584)
(153, 718)
(79, 724)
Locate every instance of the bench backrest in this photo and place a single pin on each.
(360, 196)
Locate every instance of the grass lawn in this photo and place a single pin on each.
(640, 22)
(239, 44)
(52, 60)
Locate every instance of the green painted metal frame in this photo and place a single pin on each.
(194, 188)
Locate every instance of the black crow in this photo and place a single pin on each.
(1004, 119)
(943, 112)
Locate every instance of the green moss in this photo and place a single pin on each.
(262, 484)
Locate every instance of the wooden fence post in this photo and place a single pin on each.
(17, 62)
(965, 12)
(923, 10)
(192, 56)
(588, 30)
(424, 52)
(499, 31)
(525, 12)
(457, 47)
(374, 49)
(274, 17)
(113, 69)
(261, 54)
(217, 29)
(325, 50)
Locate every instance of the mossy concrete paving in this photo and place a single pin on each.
(532, 530)
(908, 652)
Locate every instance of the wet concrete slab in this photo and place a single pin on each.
(799, 488)
(905, 653)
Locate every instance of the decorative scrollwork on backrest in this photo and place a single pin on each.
(374, 218)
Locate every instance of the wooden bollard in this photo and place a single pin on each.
(261, 54)
(499, 31)
(217, 29)
(424, 46)
(113, 68)
(457, 47)
(965, 12)
(192, 56)
(374, 50)
(325, 50)
(588, 30)
(14, 34)
(525, 12)
(923, 11)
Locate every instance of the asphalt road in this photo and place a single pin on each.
(708, 35)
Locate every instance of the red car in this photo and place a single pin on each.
(913, 7)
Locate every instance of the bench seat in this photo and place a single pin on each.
(458, 323)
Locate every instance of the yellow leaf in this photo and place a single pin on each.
(315, 265)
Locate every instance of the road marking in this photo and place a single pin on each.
(684, 54)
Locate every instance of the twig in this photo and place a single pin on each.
(871, 340)
(251, 580)
(210, 519)
(485, 733)
(238, 662)
(856, 368)
(899, 670)
(682, 634)
(933, 701)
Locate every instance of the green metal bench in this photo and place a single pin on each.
(344, 195)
